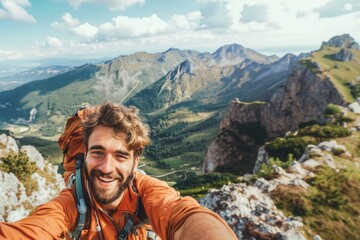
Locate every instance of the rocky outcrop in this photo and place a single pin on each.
(249, 209)
(252, 214)
(16, 201)
(342, 41)
(344, 55)
(303, 98)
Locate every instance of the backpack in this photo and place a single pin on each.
(73, 147)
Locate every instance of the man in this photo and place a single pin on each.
(114, 138)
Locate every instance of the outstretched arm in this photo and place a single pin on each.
(204, 226)
(49, 221)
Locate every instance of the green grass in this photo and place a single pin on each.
(341, 73)
(330, 207)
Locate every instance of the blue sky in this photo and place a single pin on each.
(32, 30)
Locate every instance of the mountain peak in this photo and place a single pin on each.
(171, 50)
(342, 41)
(233, 54)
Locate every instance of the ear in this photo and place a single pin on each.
(136, 163)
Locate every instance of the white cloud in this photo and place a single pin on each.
(10, 55)
(215, 15)
(14, 9)
(254, 13)
(72, 25)
(126, 27)
(69, 20)
(53, 42)
(114, 5)
(336, 8)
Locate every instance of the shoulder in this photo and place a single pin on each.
(142, 180)
(148, 184)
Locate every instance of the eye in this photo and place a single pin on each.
(120, 157)
(97, 153)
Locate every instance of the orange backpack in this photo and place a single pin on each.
(71, 143)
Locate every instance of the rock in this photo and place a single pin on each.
(34, 156)
(311, 151)
(317, 237)
(262, 157)
(344, 55)
(7, 145)
(264, 185)
(342, 41)
(246, 208)
(311, 164)
(289, 106)
(328, 145)
(354, 107)
(15, 203)
(297, 168)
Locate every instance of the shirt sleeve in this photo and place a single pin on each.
(49, 221)
(166, 209)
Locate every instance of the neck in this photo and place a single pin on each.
(111, 207)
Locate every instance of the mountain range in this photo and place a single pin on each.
(174, 76)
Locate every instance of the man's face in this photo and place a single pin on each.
(109, 163)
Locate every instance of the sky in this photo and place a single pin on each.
(34, 30)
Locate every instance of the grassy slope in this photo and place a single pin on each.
(341, 73)
(332, 202)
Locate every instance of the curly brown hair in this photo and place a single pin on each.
(121, 119)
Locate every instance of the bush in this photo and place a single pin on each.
(266, 170)
(332, 109)
(355, 91)
(325, 131)
(282, 147)
(19, 164)
(198, 185)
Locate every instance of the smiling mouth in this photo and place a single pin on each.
(106, 180)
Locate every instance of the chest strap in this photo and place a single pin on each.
(81, 204)
(127, 228)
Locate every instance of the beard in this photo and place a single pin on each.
(103, 195)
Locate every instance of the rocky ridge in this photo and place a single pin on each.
(342, 41)
(248, 207)
(15, 203)
(304, 97)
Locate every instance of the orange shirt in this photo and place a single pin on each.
(165, 209)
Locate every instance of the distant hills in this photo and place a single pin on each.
(175, 76)
(15, 80)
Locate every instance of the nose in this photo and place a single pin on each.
(106, 165)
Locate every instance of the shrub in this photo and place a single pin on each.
(282, 147)
(266, 170)
(19, 164)
(325, 131)
(332, 109)
(198, 185)
(355, 91)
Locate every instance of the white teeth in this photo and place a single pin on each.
(106, 179)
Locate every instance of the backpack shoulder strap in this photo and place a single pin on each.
(81, 205)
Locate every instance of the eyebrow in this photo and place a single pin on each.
(100, 147)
